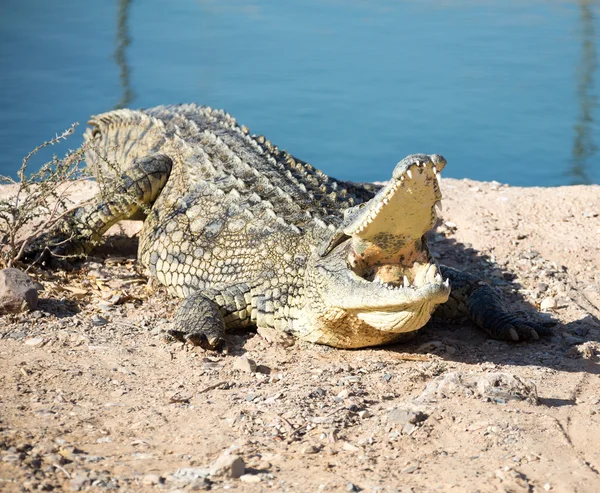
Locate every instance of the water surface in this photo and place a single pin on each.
(506, 90)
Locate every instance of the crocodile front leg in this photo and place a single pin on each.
(204, 316)
(124, 198)
(200, 322)
(485, 307)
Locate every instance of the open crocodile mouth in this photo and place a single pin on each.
(388, 245)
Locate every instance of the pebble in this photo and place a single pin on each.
(200, 485)
(244, 364)
(410, 469)
(98, 321)
(548, 303)
(399, 416)
(230, 466)
(364, 414)
(309, 449)
(78, 482)
(150, 479)
(34, 341)
(18, 292)
(250, 478)
(190, 474)
(344, 394)
(352, 487)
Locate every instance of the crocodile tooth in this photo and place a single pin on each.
(447, 283)
(435, 171)
(385, 201)
(439, 179)
(438, 278)
(431, 271)
(409, 174)
(439, 207)
(406, 282)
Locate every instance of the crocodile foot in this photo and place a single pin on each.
(199, 322)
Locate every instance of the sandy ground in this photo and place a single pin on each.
(92, 398)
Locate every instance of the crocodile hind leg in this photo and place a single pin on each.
(123, 198)
(485, 307)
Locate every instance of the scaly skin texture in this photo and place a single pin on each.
(246, 234)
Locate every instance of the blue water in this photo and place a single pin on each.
(506, 90)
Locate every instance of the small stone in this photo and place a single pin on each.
(547, 486)
(191, 474)
(352, 487)
(410, 469)
(273, 336)
(348, 447)
(244, 364)
(229, 466)
(98, 321)
(18, 291)
(78, 482)
(399, 416)
(344, 394)
(548, 303)
(202, 484)
(250, 478)
(150, 479)
(408, 429)
(309, 449)
(12, 458)
(34, 341)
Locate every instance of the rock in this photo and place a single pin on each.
(203, 484)
(344, 394)
(410, 469)
(273, 336)
(78, 482)
(98, 321)
(244, 364)
(309, 449)
(498, 387)
(229, 466)
(150, 479)
(352, 487)
(189, 475)
(250, 478)
(34, 341)
(548, 303)
(18, 291)
(364, 414)
(348, 447)
(399, 416)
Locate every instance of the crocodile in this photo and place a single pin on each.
(248, 235)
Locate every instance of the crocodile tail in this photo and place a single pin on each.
(116, 138)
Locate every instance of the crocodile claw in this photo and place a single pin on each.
(215, 343)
